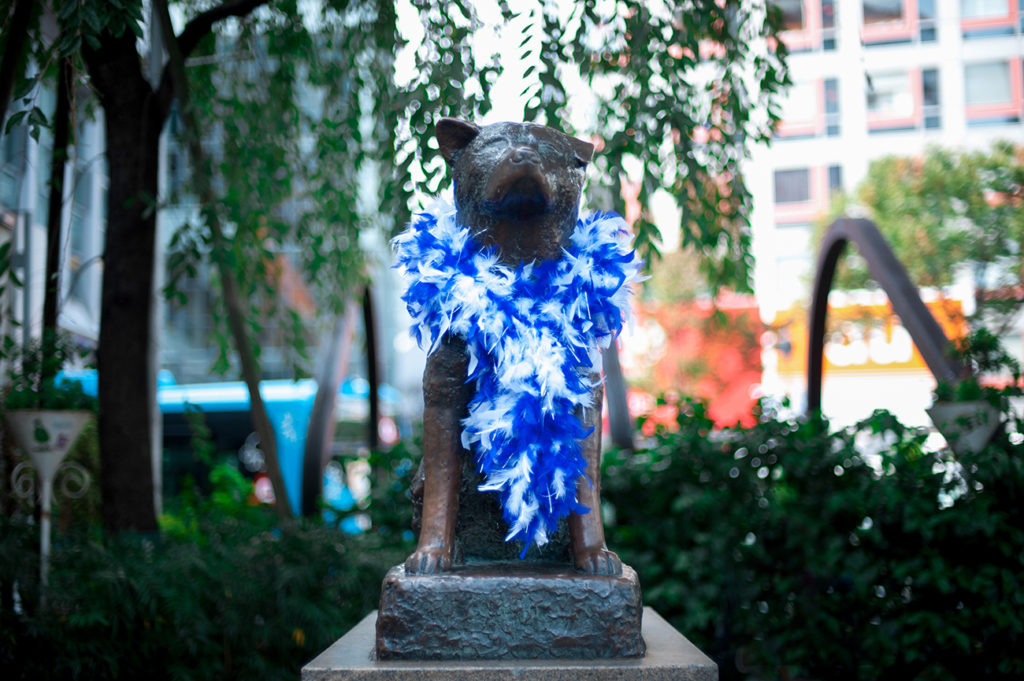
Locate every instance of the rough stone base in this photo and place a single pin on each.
(502, 611)
(670, 657)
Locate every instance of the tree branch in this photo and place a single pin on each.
(194, 31)
(220, 255)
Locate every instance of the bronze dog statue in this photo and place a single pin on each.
(517, 188)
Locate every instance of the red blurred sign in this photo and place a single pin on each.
(698, 350)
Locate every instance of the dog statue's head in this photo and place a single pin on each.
(517, 185)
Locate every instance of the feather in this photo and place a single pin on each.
(533, 335)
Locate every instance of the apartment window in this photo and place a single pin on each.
(993, 92)
(802, 100)
(792, 14)
(828, 24)
(987, 18)
(882, 11)
(792, 186)
(808, 24)
(835, 179)
(801, 111)
(930, 87)
(828, 14)
(984, 9)
(930, 98)
(894, 100)
(831, 107)
(926, 20)
(890, 22)
(889, 94)
(986, 84)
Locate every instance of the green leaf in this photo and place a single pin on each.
(25, 88)
(14, 119)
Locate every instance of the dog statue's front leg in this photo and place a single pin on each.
(445, 400)
(586, 531)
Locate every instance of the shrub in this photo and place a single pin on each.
(32, 380)
(225, 591)
(784, 551)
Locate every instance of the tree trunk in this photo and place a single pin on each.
(126, 389)
(372, 370)
(134, 116)
(618, 407)
(61, 117)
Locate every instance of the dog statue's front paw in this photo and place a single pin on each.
(428, 561)
(599, 562)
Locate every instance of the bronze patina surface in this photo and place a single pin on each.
(464, 593)
(517, 186)
(514, 610)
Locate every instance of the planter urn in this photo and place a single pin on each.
(46, 436)
(967, 426)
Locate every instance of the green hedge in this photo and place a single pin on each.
(780, 550)
(225, 591)
(783, 552)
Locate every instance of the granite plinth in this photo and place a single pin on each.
(501, 611)
(670, 657)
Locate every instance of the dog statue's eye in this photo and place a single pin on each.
(548, 150)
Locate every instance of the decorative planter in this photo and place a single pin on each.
(46, 436)
(967, 426)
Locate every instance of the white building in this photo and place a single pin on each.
(24, 192)
(875, 78)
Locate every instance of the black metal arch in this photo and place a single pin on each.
(928, 336)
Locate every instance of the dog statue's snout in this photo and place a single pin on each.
(525, 155)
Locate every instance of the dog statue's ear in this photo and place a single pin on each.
(584, 150)
(453, 135)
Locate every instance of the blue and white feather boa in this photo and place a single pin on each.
(533, 336)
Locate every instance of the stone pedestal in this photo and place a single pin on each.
(509, 610)
(669, 657)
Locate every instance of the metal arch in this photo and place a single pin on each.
(928, 336)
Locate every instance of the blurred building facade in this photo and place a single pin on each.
(872, 78)
(24, 194)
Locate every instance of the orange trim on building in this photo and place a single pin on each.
(1008, 20)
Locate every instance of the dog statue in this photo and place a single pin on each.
(517, 191)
